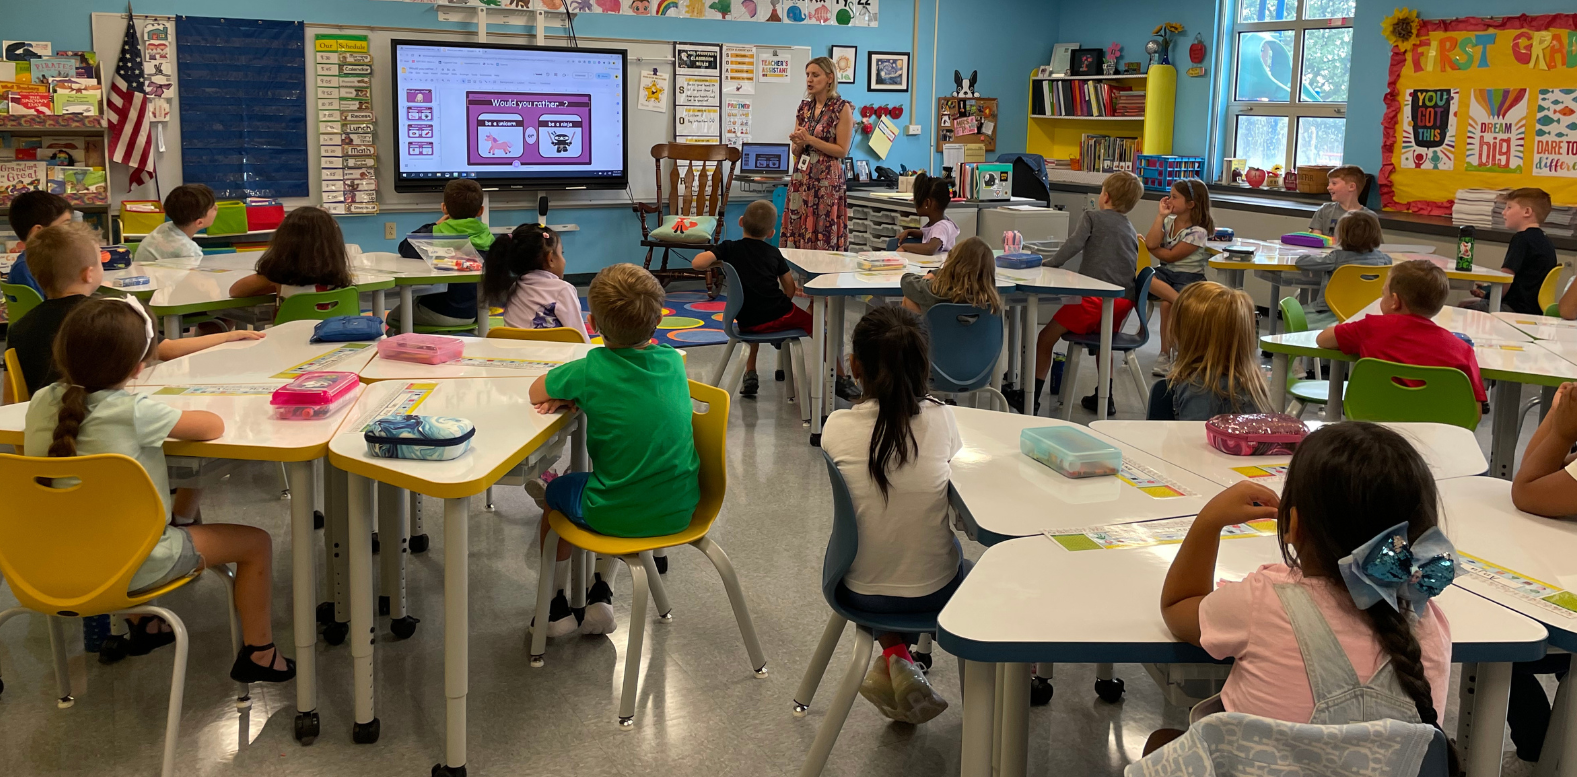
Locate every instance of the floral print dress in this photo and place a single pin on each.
(817, 215)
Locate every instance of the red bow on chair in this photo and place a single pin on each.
(684, 225)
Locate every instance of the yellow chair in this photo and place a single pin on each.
(13, 377)
(80, 561)
(1353, 287)
(1144, 257)
(710, 430)
(558, 334)
(1549, 290)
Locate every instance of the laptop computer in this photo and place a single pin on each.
(767, 159)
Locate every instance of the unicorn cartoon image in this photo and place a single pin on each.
(608, 6)
(496, 146)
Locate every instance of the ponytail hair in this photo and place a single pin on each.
(100, 345)
(893, 350)
(512, 256)
(937, 190)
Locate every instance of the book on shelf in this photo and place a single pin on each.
(1105, 154)
(1089, 99)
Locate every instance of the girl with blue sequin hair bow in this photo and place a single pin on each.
(1357, 521)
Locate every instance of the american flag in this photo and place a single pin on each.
(131, 141)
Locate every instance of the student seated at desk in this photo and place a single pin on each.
(1343, 184)
(30, 212)
(1322, 638)
(636, 397)
(307, 254)
(769, 287)
(523, 273)
(1529, 256)
(1545, 485)
(1405, 331)
(462, 208)
(894, 449)
(1217, 366)
(1177, 237)
(1358, 237)
(931, 198)
(191, 207)
(968, 276)
(101, 347)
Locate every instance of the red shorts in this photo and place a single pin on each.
(796, 318)
(1085, 317)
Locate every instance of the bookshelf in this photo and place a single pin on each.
(1060, 137)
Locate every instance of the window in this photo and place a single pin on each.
(1287, 87)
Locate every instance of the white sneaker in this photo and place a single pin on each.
(599, 610)
(1163, 365)
(538, 491)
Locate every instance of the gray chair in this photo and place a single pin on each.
(792, 339)
(966, 343)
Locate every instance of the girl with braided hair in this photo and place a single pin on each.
(1324, 638)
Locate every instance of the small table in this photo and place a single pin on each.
(813, 263)
(1451, 451)
(1102, 606)
(1476, 324)
(1004, 494)
(408, 274)
(1541, 327)
(1040, 281)
(284, 352)
(508, 429)
(483, 358)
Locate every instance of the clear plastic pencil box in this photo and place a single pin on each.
(420, 348)
(314, 395)
(1070, 452)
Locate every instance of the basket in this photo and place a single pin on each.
(230, 218)
(1312, 178)
(1159, 172)
(139, 217)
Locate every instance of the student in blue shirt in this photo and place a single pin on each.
(31, 212)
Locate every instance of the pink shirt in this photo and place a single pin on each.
(1246, 621)
(944, 230)
(542, 300)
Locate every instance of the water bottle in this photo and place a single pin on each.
(1465, 248)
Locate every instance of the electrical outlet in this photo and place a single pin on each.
(912, 129)
(388, 230)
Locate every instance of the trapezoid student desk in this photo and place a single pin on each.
(1101, 605)
(483, 358)
(1541, 328)
(253, 434)
(1037, 282)
(182, 290)
(508, 429)
(410, 274)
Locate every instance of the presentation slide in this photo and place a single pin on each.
(509, 116)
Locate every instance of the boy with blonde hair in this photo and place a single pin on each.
(636, 397)
(769, 287)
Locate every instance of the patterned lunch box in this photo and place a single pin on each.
(1255, 434)
(422, 437)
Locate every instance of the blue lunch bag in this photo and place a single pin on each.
(421, 437)
(342, 329)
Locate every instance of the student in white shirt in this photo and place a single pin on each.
(931, 198)
(191, 208)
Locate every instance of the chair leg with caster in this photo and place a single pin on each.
(1107, 687)
(736, 598)
(640, 590)
(838, 712)
(818, 664)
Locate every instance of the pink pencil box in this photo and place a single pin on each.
(314, 395)
(422, 349)
(1255, 434)
(1306, 239)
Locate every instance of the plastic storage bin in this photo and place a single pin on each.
(1160, 171)
(139, 217)
(1070, 452)
(261, 217)
(314, 395)
(230, 219)
(422, 349)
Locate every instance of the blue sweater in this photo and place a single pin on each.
(22, 276)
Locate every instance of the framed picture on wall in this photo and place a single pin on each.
(887, 71)
(1087, 62)
(843, 58)
(864, 169)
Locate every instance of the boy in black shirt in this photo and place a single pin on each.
(1529, 257)
(769, 287)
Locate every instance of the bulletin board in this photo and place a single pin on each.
(978, 113)
(1481, 104)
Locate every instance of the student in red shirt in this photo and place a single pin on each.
(1404, 332)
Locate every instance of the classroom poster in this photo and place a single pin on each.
(848, 13)
(775, 68)
(1555, 133)
(1497, 122)
(736, 121)
(654, 92)
(697, 59)
(342, 68)
(1429, 126)
(158, 67)
(739, 69)
(1484, 64)
(696, 90)
(698, 120)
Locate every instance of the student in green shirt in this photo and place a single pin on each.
(636, 396)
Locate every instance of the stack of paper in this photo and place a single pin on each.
(1562, 221)
(1480, 208)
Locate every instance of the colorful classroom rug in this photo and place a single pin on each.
(689, 320)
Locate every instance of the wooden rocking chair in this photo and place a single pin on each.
(698, 185)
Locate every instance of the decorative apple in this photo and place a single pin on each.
(1255, 177)
(896, 113)
(881, 111)
(867, 128)
(867, 111)
(1196, 52)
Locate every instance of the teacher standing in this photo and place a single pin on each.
(817, 216)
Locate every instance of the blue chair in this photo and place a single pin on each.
(791, 339)
(1122, 343)
(841, 549)
(966, 343)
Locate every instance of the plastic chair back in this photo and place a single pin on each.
(1292, 317)
(710, 428)
(892, 244)
(19, 299)
(1141, 306)
(72, 550)
(557, 334)
(965, 344)
(1550, 287)
(1553, 309)
(735, 301)
(14, 376)
(1353, 287)
(844, 543)
(319, 305)
(1145, 260)
(1438, 394)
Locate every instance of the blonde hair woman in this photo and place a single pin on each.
(1217, 368)
(968, 276)
(817, 212)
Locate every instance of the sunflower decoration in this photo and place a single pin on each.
(1401, 27)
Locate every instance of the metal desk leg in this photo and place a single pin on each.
(1014, 733)
(1333, 400)
(172, 327)
(1015, 350)
(457, 561)
(835, 349)
(1103, 370)
(1278, 381)
(332, 614)
(1558, 735)
(378, 307)
(1489, 726)
(818, 364)
(1275, 308)
(408, 310)
(304, 594)
(1503, 435)
(980, 684)
(419, 539)
(394, 529)
(483, 313)
(359, 540)
(1495, 292)
(1027, 364)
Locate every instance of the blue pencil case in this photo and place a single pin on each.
(342, 329)
(420, 437)
(1021, 261)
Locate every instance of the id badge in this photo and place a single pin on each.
(805, 160)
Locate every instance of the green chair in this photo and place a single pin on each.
(19, 299)
(1303, 392)
(1374, 393)
(443, 330)
(1552, 309)
(318, 305)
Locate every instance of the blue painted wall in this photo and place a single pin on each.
(970, 40)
